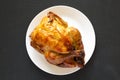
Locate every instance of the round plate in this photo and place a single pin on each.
(74, 18)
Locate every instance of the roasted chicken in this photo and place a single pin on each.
(61, 45)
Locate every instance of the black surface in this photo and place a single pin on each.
(15, 16)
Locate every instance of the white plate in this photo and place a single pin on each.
(74, 18)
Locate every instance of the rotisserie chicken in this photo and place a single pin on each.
(60, 44)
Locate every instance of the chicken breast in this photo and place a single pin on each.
(60, 44)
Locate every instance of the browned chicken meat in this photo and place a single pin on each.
(61, 45)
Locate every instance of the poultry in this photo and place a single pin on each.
(60, 44)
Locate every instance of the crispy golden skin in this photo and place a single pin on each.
(61, 45)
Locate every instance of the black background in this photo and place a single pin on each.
(15, 16)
